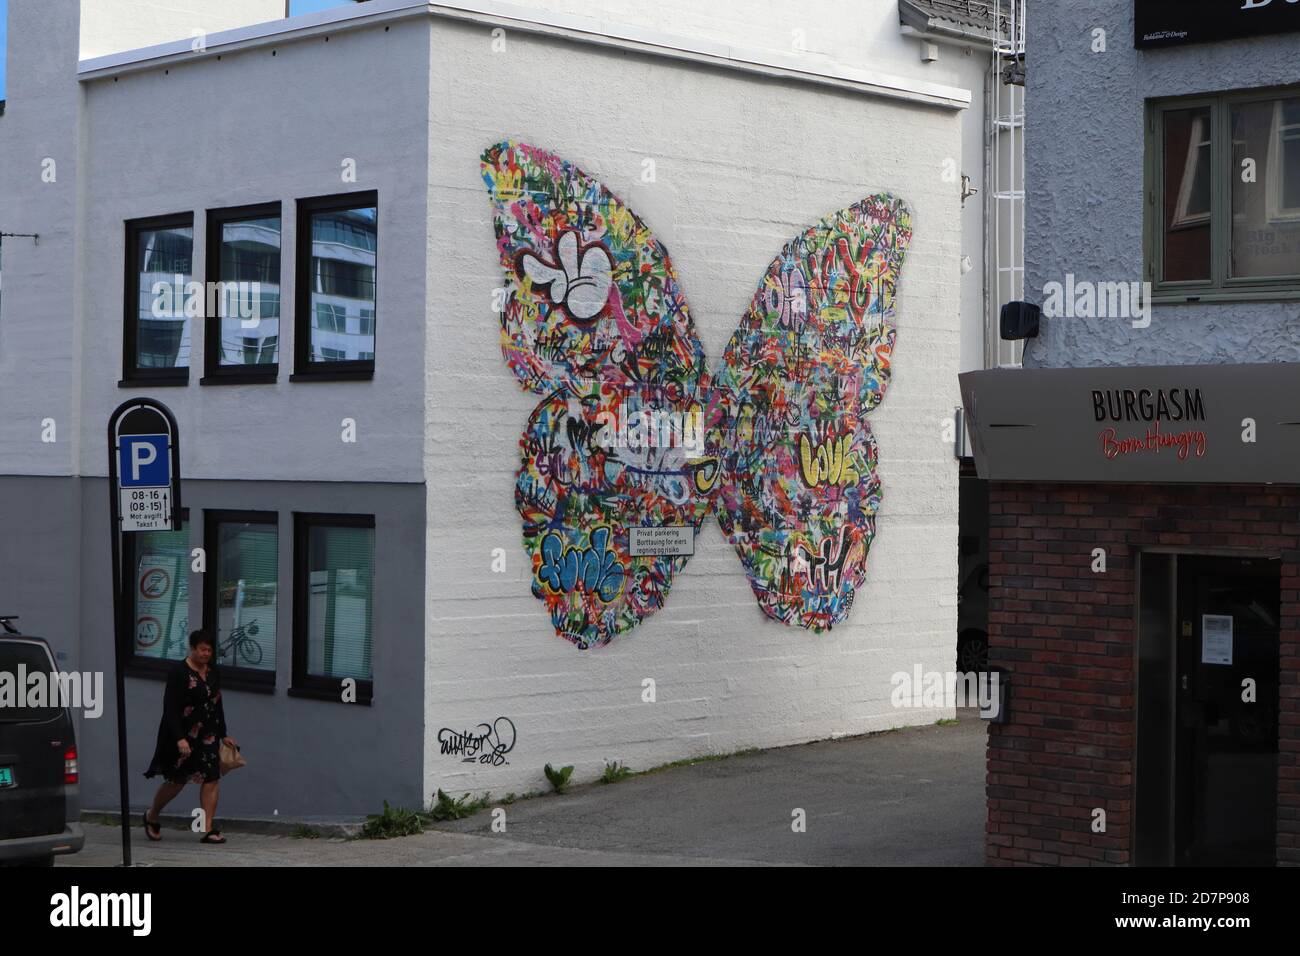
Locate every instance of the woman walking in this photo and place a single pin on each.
(190, 735)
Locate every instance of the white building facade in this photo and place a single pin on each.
(354, 473)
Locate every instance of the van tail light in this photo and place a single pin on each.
(70, 765)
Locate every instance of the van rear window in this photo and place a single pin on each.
(28, 688)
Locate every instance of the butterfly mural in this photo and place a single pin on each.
(774, 442)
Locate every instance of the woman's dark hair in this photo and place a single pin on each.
(201, 637)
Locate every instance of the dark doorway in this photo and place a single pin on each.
(1207, 752)
(973, 574)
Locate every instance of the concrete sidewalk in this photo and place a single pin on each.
(907, 797)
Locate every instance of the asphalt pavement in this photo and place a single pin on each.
(906, 797)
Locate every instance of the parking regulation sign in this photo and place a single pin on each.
(144, 494)
(144, 470)
(143, 465)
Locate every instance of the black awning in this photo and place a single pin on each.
(1205, 424)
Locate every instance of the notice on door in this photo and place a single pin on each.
(1216, 639)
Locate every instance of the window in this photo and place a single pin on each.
(157, 568)
(334, 561)
(241, 598)
(243, 309)
(1223, 178)
(331, 318)
(261, 351)
(337, 258)
(1266, 213)
(159, 268)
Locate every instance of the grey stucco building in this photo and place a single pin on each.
(1145, 546)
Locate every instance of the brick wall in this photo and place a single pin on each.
(1067, 635)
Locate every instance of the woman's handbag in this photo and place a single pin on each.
(231, 758)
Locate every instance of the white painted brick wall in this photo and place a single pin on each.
(860, 33)
(743, 164)
(110, 26)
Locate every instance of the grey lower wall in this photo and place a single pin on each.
(1084, 162)
(307, 758)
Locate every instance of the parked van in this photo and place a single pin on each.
(40, 807)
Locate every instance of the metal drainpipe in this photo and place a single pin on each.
(990, 204)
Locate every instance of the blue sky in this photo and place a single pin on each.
(308, 6)
(298, 6)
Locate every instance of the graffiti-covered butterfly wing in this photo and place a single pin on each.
(582, 487)
(594, 320)
(590, 293)
(811, 358)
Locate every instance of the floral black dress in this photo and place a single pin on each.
(191, 709)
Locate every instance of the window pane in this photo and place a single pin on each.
(33, 659)
(249, 301)
(1188, 194)
(1266, 211)
(160, 589)
(162, 332)
(343, 284)
(341, 600)
(247, 594)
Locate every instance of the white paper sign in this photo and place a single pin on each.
(1216, 639)
(671, 540)
(146, 509)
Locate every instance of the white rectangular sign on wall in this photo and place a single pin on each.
(669, 540)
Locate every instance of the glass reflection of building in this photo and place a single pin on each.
(343, 285)
(250, 296)
(163, 334)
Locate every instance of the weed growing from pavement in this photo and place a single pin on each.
(447, 807)
(946, 722)
(614, 772)
(559, 778)
(704, 758)
(304, 832)
(393, 822)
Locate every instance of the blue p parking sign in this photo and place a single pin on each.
(144, 466)
(144, 462)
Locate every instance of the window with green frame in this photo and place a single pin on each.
(1223, 196)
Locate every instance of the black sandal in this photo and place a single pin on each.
(208, 837)
(151, 828)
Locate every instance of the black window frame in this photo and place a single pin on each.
(232, 675)
(149, 667)
(304, 369)
(132, 375)
(304, 684)
(1221, 286)
(214, 373)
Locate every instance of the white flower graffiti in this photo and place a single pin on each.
(579, 282)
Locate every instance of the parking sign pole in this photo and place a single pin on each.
(119, 662)
(144, 472)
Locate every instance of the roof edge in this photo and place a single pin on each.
(576, 29)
